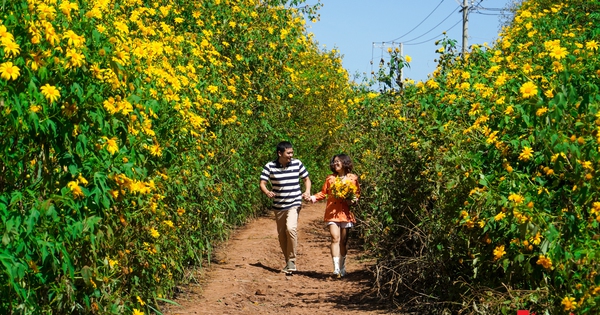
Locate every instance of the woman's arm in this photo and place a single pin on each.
(323, 193)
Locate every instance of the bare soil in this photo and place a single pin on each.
(245, 275)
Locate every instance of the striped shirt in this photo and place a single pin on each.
(285, 183)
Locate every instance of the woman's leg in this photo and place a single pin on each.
(343, 250)
(343, 242)
(334, 230)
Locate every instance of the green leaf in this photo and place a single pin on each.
(32, 220)
(167, 301)
(86, 274)
(505, 264)
(544, 246)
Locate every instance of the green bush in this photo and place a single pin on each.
(133, 134)
(482, 179)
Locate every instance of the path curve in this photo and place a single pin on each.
(245, 277)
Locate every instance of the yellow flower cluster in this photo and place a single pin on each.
(134, 186)
(545, 262)
(343, 189)
(75, 188)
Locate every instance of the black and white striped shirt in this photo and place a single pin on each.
(285, 183)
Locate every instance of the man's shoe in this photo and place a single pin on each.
(290, 266)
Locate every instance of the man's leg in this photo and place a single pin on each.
(292, 233)
(280, 219)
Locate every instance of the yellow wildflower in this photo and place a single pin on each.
(569, 303)
(213, 89)
(75, 58)
(544, 262)
(537, 239)
(154, 233)
(67, 6)
(8, 71)
(112, 262)
(526, 154)
(111, 145)
(74, 187)
(499, 252)
(51, 93)
(595, 208)
(4, 33)
(10, 47)
(82, 180)
(558, 52)
(541, 111)
(528, 89)
(516, 198)
(73, 39)
(499, 216)
(155, 150)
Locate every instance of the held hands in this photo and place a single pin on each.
(308, 197)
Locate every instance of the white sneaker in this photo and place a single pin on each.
(289, 267)
(336, 267)
(343, 266)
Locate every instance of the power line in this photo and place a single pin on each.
(490, 9)
(436, 37)
(433, 27)
(492, 14)
(430, 13)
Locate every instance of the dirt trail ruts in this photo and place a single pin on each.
(245, 276)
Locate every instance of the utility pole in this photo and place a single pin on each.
(402, 55)
(465, 12)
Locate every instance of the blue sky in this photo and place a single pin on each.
(352, 26)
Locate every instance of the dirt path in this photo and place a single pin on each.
(245, 276)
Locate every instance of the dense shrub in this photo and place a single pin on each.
(481, 190)
(132, 135)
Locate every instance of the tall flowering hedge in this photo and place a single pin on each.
(489, 170)
(131, 137)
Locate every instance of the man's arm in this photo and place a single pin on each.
(307, 185)
(265, 190)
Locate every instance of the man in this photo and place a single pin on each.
(285, 173)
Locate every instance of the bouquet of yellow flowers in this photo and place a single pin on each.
(343, 189)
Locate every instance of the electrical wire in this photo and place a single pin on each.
(434, 26)
(490, 9)
(430, 13)
(438, 36)
(492, 14)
